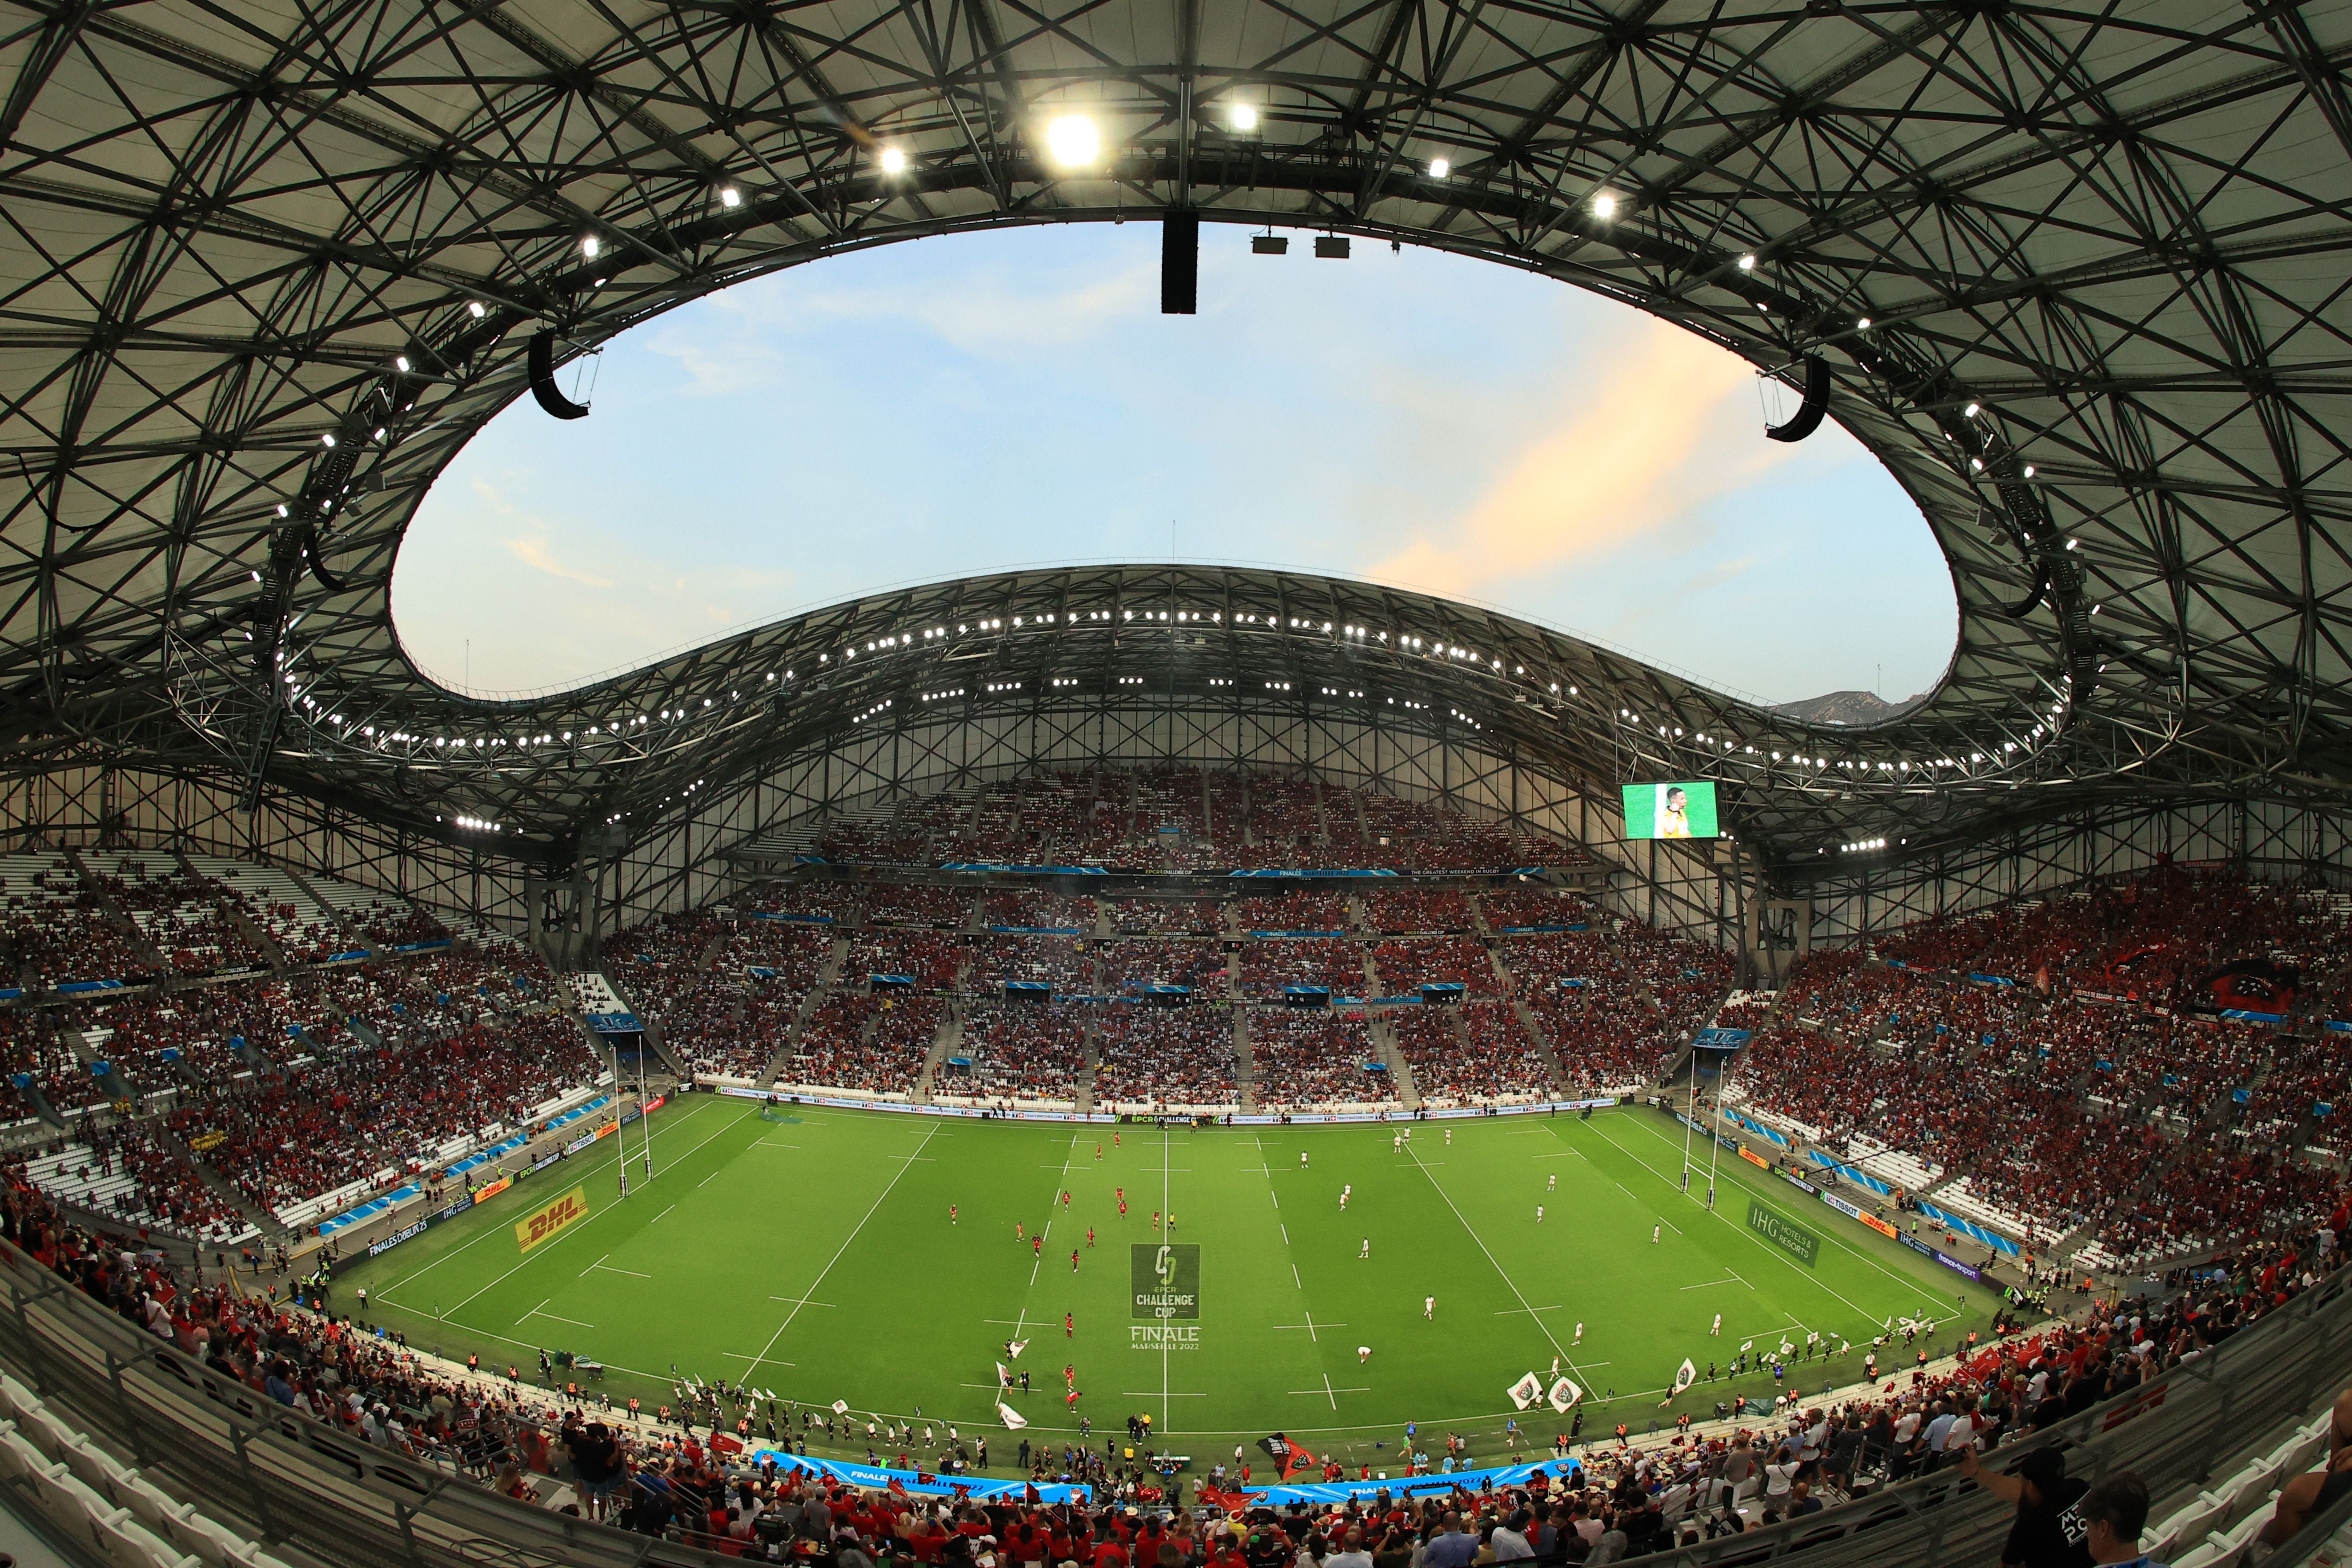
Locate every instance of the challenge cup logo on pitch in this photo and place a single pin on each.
(1167, 1280)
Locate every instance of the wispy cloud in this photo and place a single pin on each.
(718, 363)
(1650, 435)
(535, 550)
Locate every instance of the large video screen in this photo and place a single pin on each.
(1685, 810)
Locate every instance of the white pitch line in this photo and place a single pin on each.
(532, 1313)
(1711, 1284)
(1558, 1349)
(710, 1178)
(1763, 1245)
(385, 1294)
(1310, 1325)
(558, 1318)
(853, 1235)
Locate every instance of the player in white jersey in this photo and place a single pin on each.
(1429, 1308)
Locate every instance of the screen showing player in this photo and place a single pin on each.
(1684, 810)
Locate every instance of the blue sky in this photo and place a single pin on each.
(946, 407)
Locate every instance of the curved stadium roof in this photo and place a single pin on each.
(2077, 274)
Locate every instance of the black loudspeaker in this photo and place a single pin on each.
(1179, 264)
(1808, 418)
(542, 380)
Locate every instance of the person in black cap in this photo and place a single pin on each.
(2050, 1531)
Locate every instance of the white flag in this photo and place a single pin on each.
(1684, 1376)
(841, 1407)
(1017, 1347)
(1012, 1418)
(1747, 1345)
(1527, 1391)
(1003, 1375)
(1564, 1395)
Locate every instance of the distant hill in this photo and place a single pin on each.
(1847, 708)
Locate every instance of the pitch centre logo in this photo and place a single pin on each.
(1166, 1278)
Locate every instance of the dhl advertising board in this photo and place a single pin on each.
(542, 1224)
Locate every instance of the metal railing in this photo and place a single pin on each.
(302, 1484)
(2173, 1432)
(293, 1482)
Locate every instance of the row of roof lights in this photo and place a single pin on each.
(1404, 640)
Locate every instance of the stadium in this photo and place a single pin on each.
(1160, 1062)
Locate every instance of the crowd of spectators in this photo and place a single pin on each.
(1166, 917)
(1049, 912)
(1297, 910)
(293, 1130)
(1335, 964)
(1066, 964)
(944, 908)
(123, 1172)
(1528, 907)
(1406, 965)
(873, 1044)
(1474, 1051)
(1165, 1056)
(1176, 818)
(30, 1045)
(53, 943)
(1617, 999)
(1123, 967)
(1419, 835)
(1022, 1050)
(2086, 1098)
(1419, 910)
(930, 961)
(839, 902)
(1299, 1056)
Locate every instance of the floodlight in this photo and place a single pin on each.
(1604, 205)
(590, 245)
(1439, 168)
(1244, 118)
(1074, 141)
(893, 161)
(1747, 264)
(729, 196)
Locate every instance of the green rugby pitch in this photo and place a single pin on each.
(815, 1256)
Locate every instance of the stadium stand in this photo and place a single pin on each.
(1025, 1050)
(1160, 1059)
(1309, 1055)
